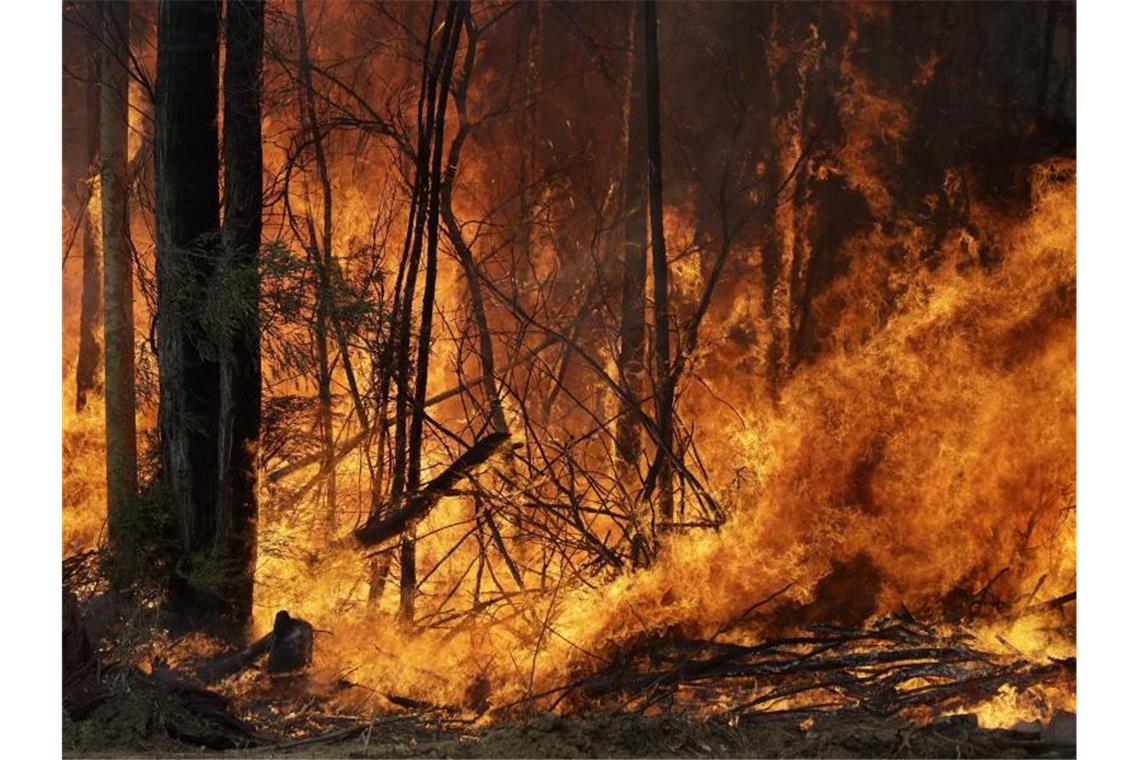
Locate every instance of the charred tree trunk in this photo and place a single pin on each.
(664, 390)
(322, 256)
(90, 354)
(785, 86)
(452, 28)
(631, 356)
(118, 318)
(186, 215)
(413, 248)
(529, 138)
(491, 394)
(240, 394)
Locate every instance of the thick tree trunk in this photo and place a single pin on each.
(118, 319)
(631, 356)
(240, 416)
(186, 213)
(664, 391)
(87, 365)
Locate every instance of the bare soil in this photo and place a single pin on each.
(848, 735)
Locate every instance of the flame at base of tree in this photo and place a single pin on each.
(929, 467)
(874, 425)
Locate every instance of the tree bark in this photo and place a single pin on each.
(664, 389)
(240, 394)
(118, 319)
(186, 213)
(413, 248)
(452, 30)
(631, 355)
(90, 354)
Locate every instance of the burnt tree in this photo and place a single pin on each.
(435, 128)
(206, 310)
(631, 356)
(90, 354)
(240, 393)
(118, 318)
(664, 386)
(408, 373)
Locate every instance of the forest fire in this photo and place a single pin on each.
(699, 360)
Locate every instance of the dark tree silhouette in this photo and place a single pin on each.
(118, 319)
(240, 395)
(87, 364)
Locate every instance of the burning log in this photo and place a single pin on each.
(386, 524)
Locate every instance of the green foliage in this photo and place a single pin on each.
(141, 542)
(144, 551)
(213, 295)
(289, 294)
(207, 575)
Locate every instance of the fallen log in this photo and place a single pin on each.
(385, 524)
(218, 668)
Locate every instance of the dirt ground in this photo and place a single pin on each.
(616, 735)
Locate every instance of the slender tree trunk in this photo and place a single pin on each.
(434, 127)
(240, 416)
(378, 576)
(631, 356)
(322, 257)
(528, 154)
(186, 213)
(118, 319)
(660, 266)
(463, 251)
(381, 565)
(90, 355)
(784, 221)
(478, 310)
(324, 409)
(400, 482)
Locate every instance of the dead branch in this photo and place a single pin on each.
(386, 524)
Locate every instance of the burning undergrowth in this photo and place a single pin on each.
(868, 504)
(946, 574)
(926, 468)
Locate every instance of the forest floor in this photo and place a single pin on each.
(164, 712)
(614, 735)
